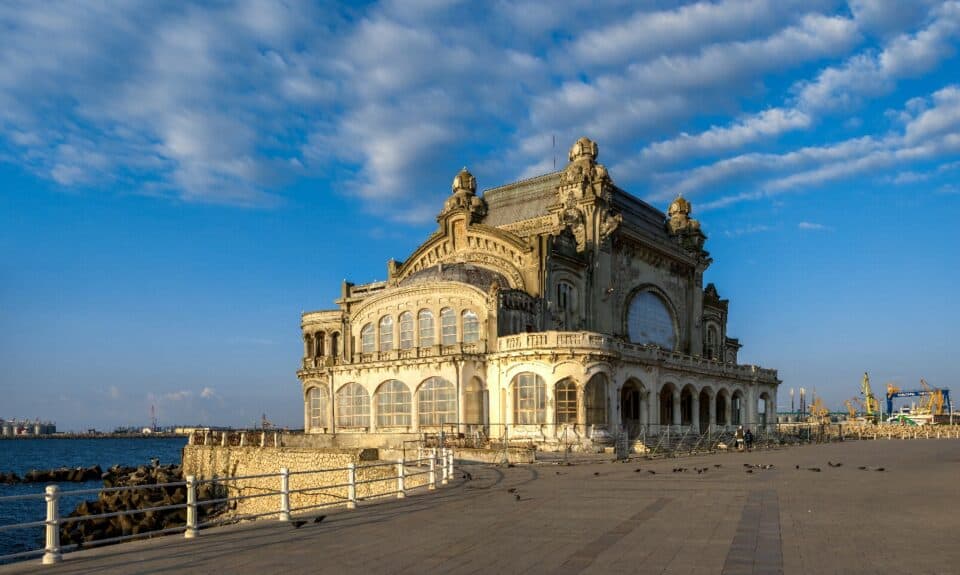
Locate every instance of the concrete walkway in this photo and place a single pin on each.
(611, 518)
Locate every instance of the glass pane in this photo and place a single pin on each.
(649, 321)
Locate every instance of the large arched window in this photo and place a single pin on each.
(649, 321)
(471, 326)
(393, 404)
(595, 400)
(406, 330)
(317, 405)
(320, 340)
(436, 402)
(565, 394)
(529, 399)
(366, 339)
(353, 406)
(448, 326)
(425, 328)
(386, 333)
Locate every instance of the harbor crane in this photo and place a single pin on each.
(933, 400)
(871, 407)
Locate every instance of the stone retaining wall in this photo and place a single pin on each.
(209, 462)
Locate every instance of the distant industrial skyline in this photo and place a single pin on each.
(180, 182)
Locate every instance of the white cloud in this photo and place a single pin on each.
(208, 393)
(930, 135)
(114, 392)
(813, 226)
(177, 395)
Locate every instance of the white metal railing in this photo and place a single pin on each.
(52, 550)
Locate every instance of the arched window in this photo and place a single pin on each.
(353, 406)
(425, 320)
(448, 326)
(471, 326)
(317, 405)
(649, 320)
(712, 351)
(386, 333)
(436, 402)
(529, 399)
(565, 394)
(566, 305)
(335, 344)
(393, 404)
(320, 340)
(406, 330)
(595, 400)
(366, 339)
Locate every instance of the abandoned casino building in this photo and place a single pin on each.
(558, 306)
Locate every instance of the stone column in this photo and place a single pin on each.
(331, 413)
(581, 412)
(713, 411)
(728, 410)
(695, 412)
(550, 410)
(676, 420)
(307, 344)
(614, 416)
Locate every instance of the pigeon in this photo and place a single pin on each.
(512, 490)
(817, 469)
(699, 471)
(596, 473)
(319, 518)
(637, 470)
(749, 471)
(298, 524)
(516, 496)
(881, 469)
(717, 465)
(467, 476)
(832, 464)
(798, 467)
(747, 465)
(651, 472)
(862, 468)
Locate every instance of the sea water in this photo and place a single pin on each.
(22, 455)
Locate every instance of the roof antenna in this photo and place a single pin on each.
(554, 152)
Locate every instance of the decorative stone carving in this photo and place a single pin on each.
(683, 227)
(464, 198)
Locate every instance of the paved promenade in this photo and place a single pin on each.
(611, 518)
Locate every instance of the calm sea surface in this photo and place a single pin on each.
(22, 455)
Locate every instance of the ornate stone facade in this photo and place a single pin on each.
(559, 306)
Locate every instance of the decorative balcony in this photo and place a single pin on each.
(650, 354)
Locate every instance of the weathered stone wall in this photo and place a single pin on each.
(325, 482)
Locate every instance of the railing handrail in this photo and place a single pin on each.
(52, 495)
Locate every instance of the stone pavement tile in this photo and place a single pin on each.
(841, 520)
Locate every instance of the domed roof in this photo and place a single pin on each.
(466, 273)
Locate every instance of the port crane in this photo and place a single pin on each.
(871, 407)
(933, 400)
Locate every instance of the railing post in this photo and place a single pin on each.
(51, 553)
(352, 486)
(284, 494)
(443, 466)
(450, 456)
(433, 470)
(401, 488)
(191, 531)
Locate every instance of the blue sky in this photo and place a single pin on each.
(180, 181)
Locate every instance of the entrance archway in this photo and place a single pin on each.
(704, 415)
(666, 405)
(631, 407)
